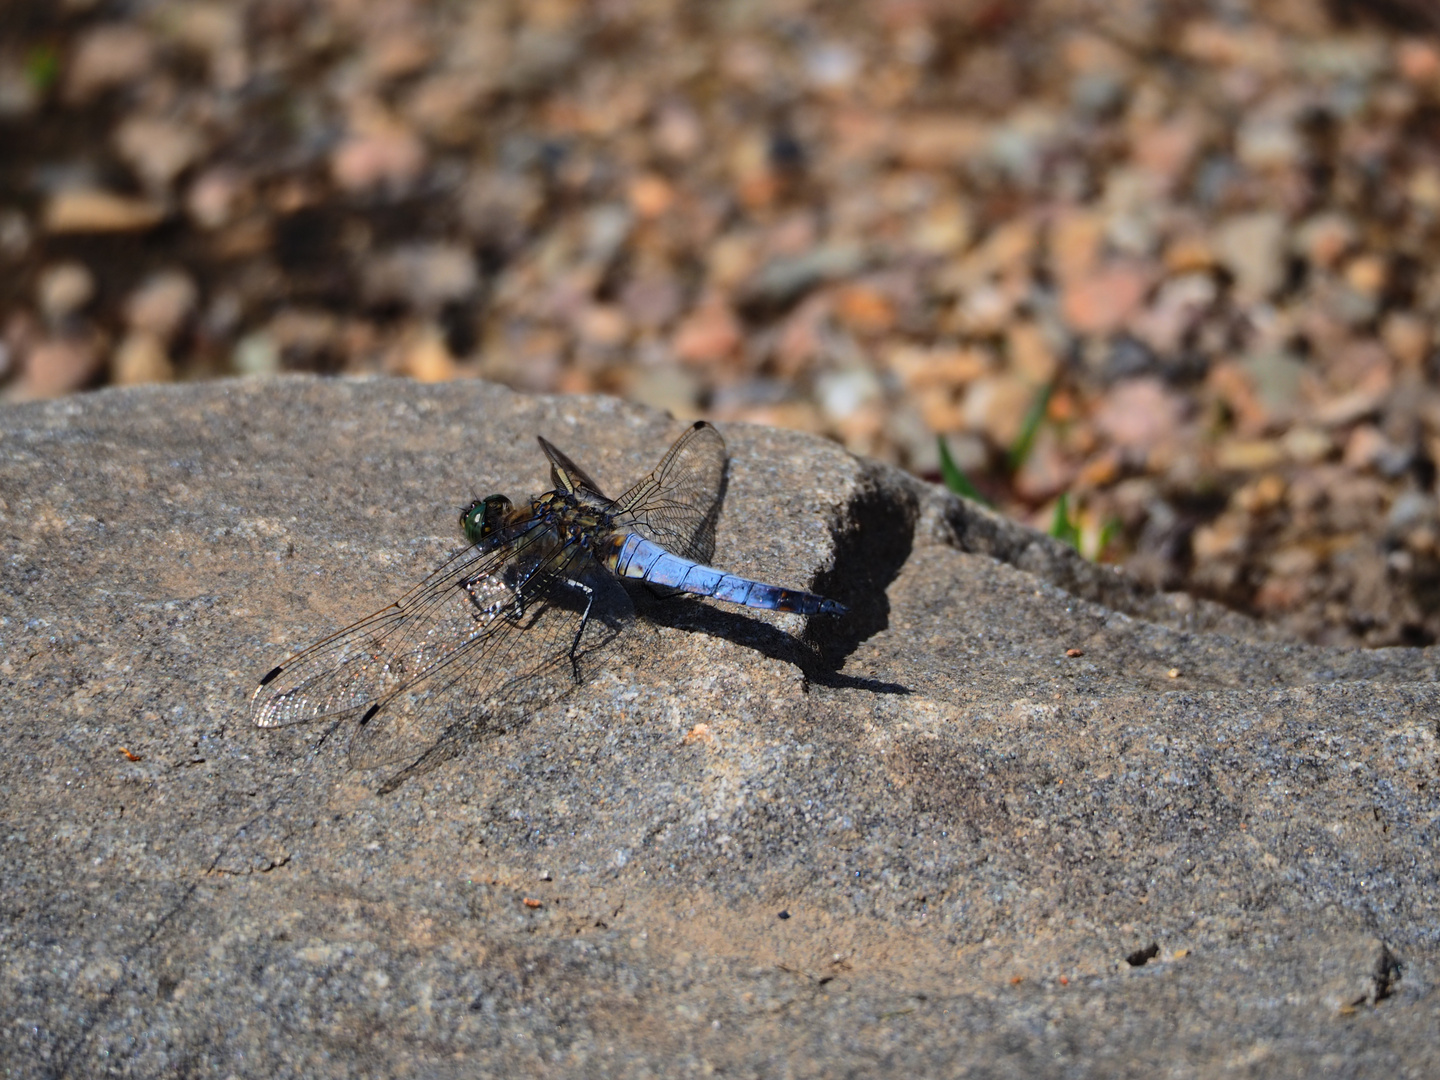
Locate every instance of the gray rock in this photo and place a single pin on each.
(918, 840)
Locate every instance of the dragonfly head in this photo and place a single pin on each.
(483, 516)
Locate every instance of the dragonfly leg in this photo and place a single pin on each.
(584, 622)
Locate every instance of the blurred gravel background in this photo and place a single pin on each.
(1196, 238)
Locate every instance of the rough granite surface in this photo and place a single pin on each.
(1012, 816)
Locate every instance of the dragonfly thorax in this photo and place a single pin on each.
(573, 517)
(483, 517)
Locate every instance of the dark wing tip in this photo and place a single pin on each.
(369, 714)
(271, 675)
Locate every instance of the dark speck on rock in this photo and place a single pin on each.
(1140, 957)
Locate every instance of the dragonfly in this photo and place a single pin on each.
(489, 631)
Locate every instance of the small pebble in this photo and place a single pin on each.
(1252, 247)
(214, 198)
(55, 366)
(1100, 303)
(1139, 414)
(426, 359)
(1325, 238)
(64, 289)
(843, 393)
(140, 358)
(256, 354)
(157, 150)
(673, 389)
(710, 334)
(995, 405)
(107, 56)
(162, 304)
(92, 211)
(388, 158)
(426, 276)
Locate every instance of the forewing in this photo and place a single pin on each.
(568, 476)
(445, 616)
(521, 665)
(440, 655)
(678, 504)
(381, 655)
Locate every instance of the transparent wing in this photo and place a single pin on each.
(678, 504)
(521, 667)
(490, 616)
(568, 476)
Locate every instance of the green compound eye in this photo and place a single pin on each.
(483, 516)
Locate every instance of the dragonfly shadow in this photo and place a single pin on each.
(872, 546)
(752, 633)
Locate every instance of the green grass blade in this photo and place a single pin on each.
(955, 478)
(1062, 526)
(42, 67)
(1028, 430)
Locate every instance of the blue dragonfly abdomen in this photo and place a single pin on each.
(632, 556)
